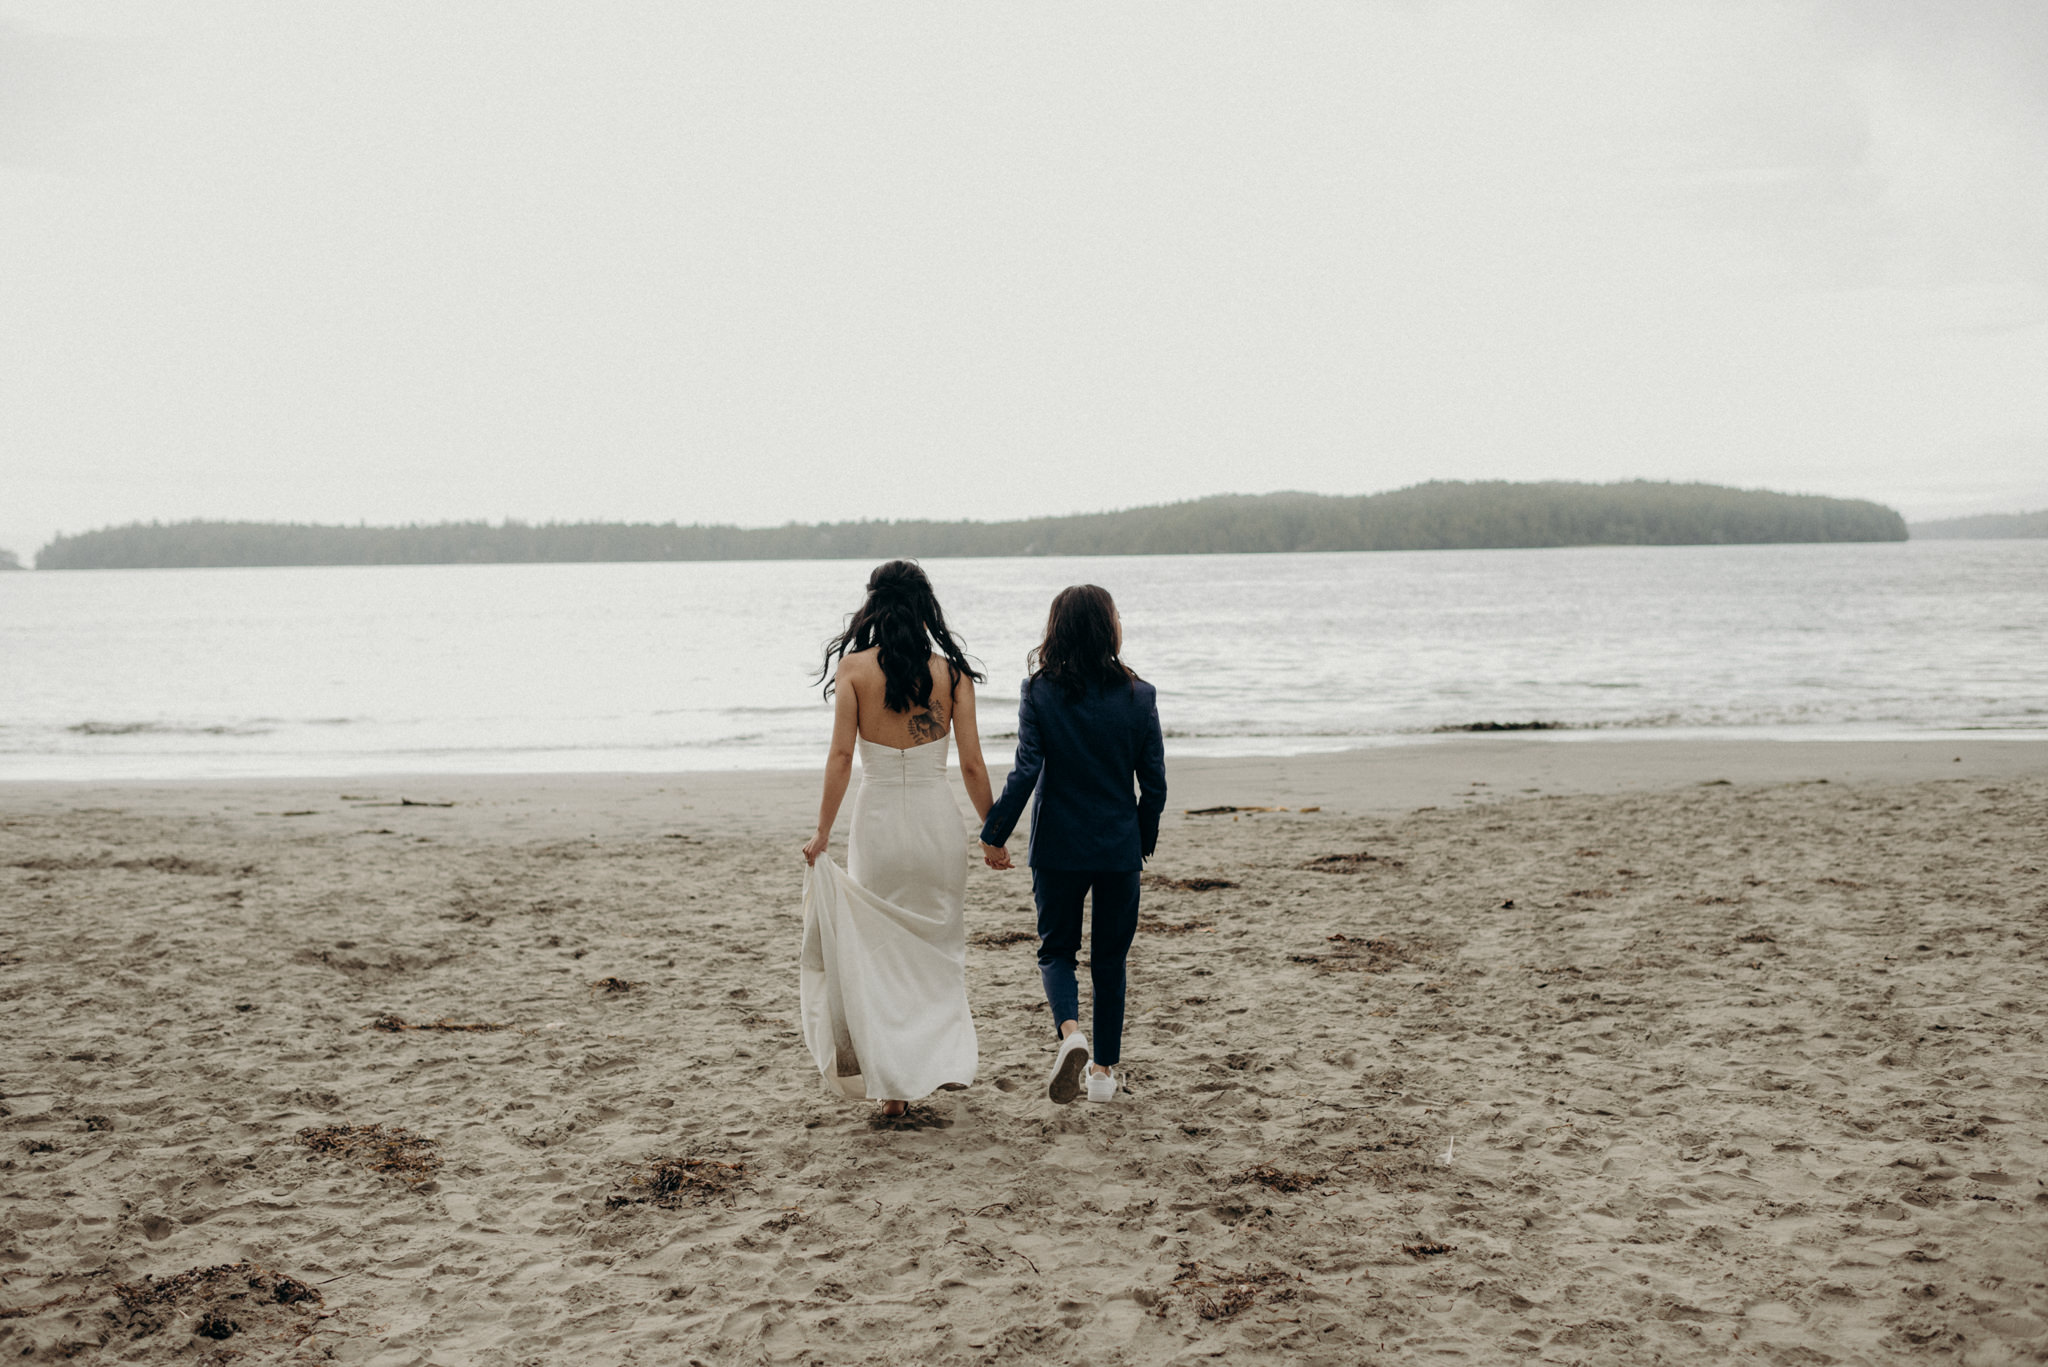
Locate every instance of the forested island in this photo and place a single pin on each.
(1434, 516)
(1984, 527)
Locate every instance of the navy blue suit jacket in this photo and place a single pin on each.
(1081, 756)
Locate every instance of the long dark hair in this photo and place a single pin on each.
(903, 618)
(1080, 649)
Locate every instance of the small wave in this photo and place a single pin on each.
(1503, 726)
(152, 728)
(1246, 733)
(1647, 723)
(1314, 733)
(1665, 719)
(806, 709)
(726, 742)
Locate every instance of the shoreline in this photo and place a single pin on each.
(1442, 773)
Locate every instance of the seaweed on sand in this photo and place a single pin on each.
(216, 1295)
(394, 1024)
(1218, 1293)
(1279, 1179)
(395, 1151)
(674, 1182)
(1158, 880)
(1348, 955)
(1357, 862)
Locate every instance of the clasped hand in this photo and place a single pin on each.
(995, 856)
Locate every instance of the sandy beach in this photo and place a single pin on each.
(1597, 1052)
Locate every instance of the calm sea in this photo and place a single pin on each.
(516, 668)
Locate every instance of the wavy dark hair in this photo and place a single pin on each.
(1080, 649)
(902, 617)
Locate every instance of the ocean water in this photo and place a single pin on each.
(655, 667)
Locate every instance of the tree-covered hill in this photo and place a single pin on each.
(1435, 516)
(1984, 527)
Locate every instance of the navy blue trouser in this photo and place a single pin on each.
(1059, 893)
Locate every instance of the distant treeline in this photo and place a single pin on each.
(1985, 527)
(1436, 516)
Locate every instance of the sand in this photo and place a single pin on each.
(1639, 1067)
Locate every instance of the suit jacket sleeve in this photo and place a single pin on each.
(1024, 771)
(1151, 777)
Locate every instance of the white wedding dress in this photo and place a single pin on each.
(884, 966)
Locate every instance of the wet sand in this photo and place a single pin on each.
(1702, 1051)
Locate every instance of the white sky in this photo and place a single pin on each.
(759, 262)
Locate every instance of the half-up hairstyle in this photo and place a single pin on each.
(902, 618)
(1080, 648)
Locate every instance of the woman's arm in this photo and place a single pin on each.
(838, 763)
(1024, 770)
(973, 769)
(1151, 777)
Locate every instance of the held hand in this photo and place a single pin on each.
(816, 846)
(996, 856)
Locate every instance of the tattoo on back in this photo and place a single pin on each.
(926, 727)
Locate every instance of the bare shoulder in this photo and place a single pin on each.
(859, 673)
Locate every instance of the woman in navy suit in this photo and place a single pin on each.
(1087, 733)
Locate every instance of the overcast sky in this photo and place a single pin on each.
(759, 262)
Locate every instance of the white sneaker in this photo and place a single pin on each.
(1064, 1086)
(1102, 1086)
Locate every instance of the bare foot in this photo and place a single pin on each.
(895, 1109)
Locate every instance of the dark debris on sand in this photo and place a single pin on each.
(213, 1324)
(161, 863)
(22, 1312)
(1152, 925)
(1376, 955)
(1001, 939)
(612, 985)
(395, 1151)
(1279, 1179)
(225, 1299)
(1218, 1293)
(674, 1182)
(394, 1024)
(1357, 862)
(1156, 880)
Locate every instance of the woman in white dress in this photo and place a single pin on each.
(884, 967)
